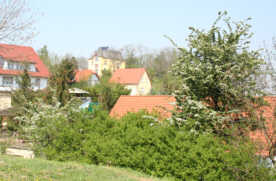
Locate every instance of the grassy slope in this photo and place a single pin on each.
(15, 169)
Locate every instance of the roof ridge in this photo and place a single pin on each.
(22, 46)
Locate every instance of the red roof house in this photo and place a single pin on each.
(86, 75)
(135, 79)
(12, 60)
(161, 104)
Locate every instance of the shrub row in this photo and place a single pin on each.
(138, 142)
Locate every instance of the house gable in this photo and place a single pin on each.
(144, 86)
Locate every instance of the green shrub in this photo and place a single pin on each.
(3, 147)
(139, 142)
(13, 125)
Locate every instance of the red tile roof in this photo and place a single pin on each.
(258, 136)
(161, 104)
(128, 76)
(22, 54)
(165, 104)
(83, 75)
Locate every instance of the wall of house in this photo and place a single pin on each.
(12, 65)
(133, 89)
(93, 80)
(98, 64)
(144, 86)
(14, 84)
(42, 85)
(5, 100)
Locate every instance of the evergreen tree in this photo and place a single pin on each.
(62, 78)
(44, 56)
(24, 89)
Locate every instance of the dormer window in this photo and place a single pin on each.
(31, 68)
(19, 66)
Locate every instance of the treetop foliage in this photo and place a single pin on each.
(217, 72)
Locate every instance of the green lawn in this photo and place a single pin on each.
(20, 169)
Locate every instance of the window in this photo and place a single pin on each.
(37, 82)
(10, 66)
(19, 66)
(96, 58)
(7, 81)
(31, 68)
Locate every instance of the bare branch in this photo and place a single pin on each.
(16, 21)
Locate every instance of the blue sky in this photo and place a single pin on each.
(79, 27)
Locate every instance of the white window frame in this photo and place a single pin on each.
(7, 83)
(10, 65)
(31, 68)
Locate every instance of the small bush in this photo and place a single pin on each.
(3, 147)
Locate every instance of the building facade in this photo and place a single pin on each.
(106, 59)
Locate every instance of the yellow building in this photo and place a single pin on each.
(106, 59)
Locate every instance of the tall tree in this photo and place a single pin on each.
(107, 93)
(62, 78)
(217, 72)
(159, 71)
(44, 56)
(16, 21)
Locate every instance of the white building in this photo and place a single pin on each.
(13, 59)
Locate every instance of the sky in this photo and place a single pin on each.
(79, 27)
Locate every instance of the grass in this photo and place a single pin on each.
(20, 169)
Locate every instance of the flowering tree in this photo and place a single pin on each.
(218, 71)
(39, 115)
